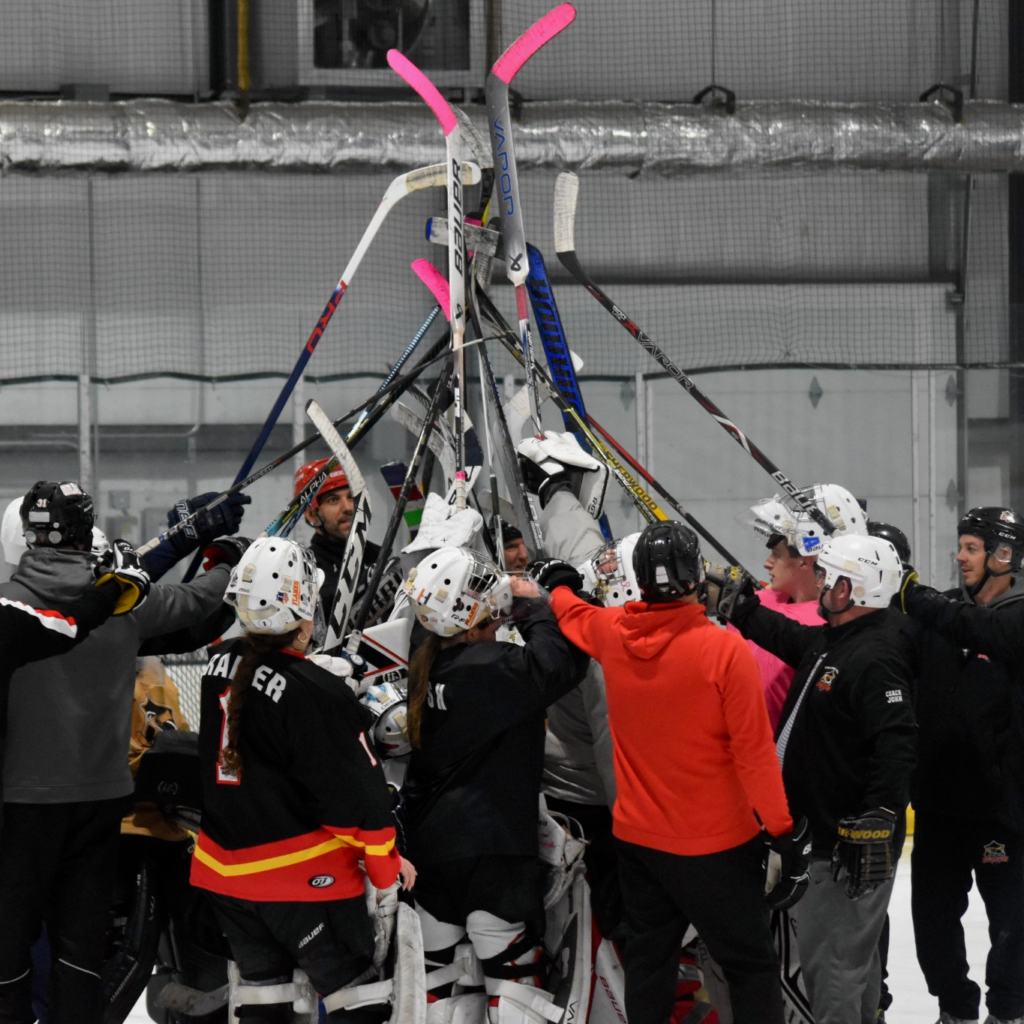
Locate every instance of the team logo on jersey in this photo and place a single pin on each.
(995, 853)
(828, 677)
(321, 881)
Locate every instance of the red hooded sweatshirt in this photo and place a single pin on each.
(694, 756)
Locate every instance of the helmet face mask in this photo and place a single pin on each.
(453, 590)
(775, 517)
(275, 586)
(611, 570)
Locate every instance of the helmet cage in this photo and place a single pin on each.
(775, 517)
(611, 568)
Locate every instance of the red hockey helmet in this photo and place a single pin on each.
(336, 479)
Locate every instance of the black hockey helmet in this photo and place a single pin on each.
(894, 535)
(997, 527)
(667, 562)
(57, 514)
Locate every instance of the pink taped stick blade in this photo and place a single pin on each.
(434, 280)
(412, 76)
(539, 33)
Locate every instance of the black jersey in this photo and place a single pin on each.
(310, 801)
(473, 784)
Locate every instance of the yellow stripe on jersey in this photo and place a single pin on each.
(286, 859)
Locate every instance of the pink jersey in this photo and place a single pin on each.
(776, 675)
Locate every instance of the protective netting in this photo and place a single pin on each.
(116, 265)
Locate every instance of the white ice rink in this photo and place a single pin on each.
(911, 1002)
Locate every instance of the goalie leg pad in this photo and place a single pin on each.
(270, 1000)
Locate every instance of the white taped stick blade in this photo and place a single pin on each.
(567, 191)
(473, 140)
(409, 1005)
(322, 422)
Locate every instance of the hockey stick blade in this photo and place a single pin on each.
(566, 197)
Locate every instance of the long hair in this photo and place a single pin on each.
(255, 648)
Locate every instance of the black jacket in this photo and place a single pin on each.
(328, 553)
(473, 784)
(851, 747)
(970, 704)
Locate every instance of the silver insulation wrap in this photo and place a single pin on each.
(653, 138)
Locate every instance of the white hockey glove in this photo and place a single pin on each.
(556, 462)
(347, 667)
(444, 526)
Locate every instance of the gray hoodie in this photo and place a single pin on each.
(70, 715)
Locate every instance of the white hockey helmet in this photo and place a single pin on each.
(387, 703)
(871, 564)
(611, 568)
(776, 517)
(12, 533)
(274, 586)
(100, 544)
(453, 589)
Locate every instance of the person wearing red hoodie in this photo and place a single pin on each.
(695, 769)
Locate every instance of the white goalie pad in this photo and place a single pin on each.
(299, 992)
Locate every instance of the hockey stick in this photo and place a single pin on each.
(400, 187)
(381, 401)
(394, 474)
(556, 348)
(403, 496)
(427, 91)
(499, 119)
(355, 547)
(567, 189)
(480, 239)
(499, 549)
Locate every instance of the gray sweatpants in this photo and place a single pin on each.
(838, 942)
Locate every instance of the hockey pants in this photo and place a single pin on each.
(722, 896)
(56, 861)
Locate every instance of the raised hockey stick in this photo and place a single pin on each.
(403, 496)
(438, 105)
(381, 401)
(400, 187)
(394, 474)
(355, 547)
(556, 348)
(499, 120)
(567, 189)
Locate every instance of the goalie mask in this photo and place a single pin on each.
(274, 586)
(610, 572)
(57, 515)
(454, 589)
(871, 564)
(387, 703)
(774, 517)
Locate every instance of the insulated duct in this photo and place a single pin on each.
(654, 138)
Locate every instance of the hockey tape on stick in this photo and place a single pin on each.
(481, 240)
(567, 187)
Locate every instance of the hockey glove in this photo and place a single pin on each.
(737, 597)
(347, 667)
(444, 526)
(555, 462)
(556, 573)
(865, 854)
(716, 578)
(221, 520)
(908, 584)
(225, 551)
(786, 874)
(122, 564)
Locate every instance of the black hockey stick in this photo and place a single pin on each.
(566, 195)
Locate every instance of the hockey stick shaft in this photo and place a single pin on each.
(493, 477)
(499, 119)
(403, 496)
(566, 195)
(427, 91)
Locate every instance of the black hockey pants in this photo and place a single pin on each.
(945, 855)
(722, 896)
(57, 861)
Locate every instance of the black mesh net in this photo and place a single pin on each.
(221, 269)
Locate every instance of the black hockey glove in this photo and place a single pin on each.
(225, 551)
(556, 573)
(545, 479)
(736, 599)
(122, 564)
(865, 854)
(221, 520)
(908, 584)
(786, 874)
